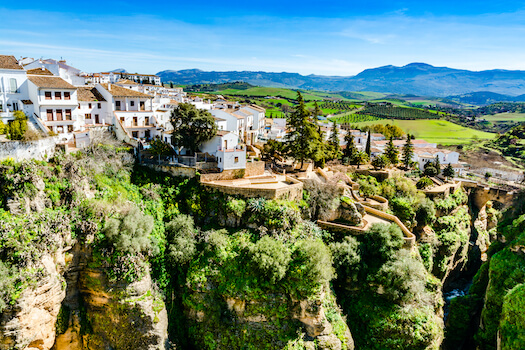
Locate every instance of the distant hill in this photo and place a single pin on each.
(416, 78)
(482, 98)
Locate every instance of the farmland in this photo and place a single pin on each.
(505, 117)
(439, 131)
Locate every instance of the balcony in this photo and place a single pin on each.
(233, 149)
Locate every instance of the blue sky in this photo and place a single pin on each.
(336, 38)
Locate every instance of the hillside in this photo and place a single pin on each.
(415, 78)
(481, 98)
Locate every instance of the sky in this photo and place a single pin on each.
(306, 37)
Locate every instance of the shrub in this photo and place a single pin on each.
(322, 199)
(399, 186)
(18, 127)
(311, 266)
(7, 285)
(236, 206)
(380, 243)
(403, 279)
(513, 319)
(131, 233)
(424, 182)
(404, 209)
(347, 255)
(271, 258)
(425, 212)
(180, 235)
(380, 162)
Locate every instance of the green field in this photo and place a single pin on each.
(438, 131)
(269, 91)
(505, 117)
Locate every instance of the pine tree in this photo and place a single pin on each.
(171, 85)
(317, 111)
(408, 151)
(391, 152)
(351, 150)
(449, 171)
(335, 149)
(302, 141)
(437, 165)
(368, 149)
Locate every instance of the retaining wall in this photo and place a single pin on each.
(175, 170)
(21, 150)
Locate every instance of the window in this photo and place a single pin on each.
(49, 115)
(97, 120)
(1, 107)
(99, 105)
(147, 134)
(58, 95)
(132, 103)
(135, 134)
(15, 106)
(236, 159)
(146, 121)
(135, 121)
(70, 128)
(59, 114)
(117, 105)
(89, 105)
(12, 85)
(68, 114)
(122, 120)
(48, 95)
(67, 95)
(142, 105)
(87, 115)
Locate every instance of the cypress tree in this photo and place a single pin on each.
(437, 165)
(391, 152)
(368, 149)
(408, 151)
(334, 142)
(449, 171)
(351, 150)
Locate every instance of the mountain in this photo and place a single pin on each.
(119, 70)
(415, 78)
(480, 98)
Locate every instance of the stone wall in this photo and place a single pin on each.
(20, 150)
(175, 170)
(225, 175)
(293, 192)
(254, 168)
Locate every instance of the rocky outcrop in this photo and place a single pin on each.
(99, 314)
(30, 324)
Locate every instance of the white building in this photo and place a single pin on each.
(131, 109)
(92, 107)
(225, 146)
(424, 155)
(13, 89)
(58, 68)
(55, 104)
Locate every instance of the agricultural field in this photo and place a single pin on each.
(505, 117)
(439, 131)
(399, 112)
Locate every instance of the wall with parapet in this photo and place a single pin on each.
(254, 168)
(21, 150)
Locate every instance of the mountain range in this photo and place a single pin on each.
(415, 78)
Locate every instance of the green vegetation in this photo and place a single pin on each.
(436, 131)
(191, 127)
(393, 112)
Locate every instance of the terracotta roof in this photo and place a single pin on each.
(27, 102)
(44, 81)
(119, 91)
(257, 108)
(222, 132)
(9, 62)
(431, 150)
(39, 71)
(126, 82)
(89, 94)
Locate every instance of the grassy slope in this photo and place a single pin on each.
(507, 117)
(438, 131)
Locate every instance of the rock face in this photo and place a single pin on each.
(100, 314)
(31, 322)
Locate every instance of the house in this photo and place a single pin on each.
(425, 155)
(55, 104)
(142, 78)
(129, 109)
(234, 122)
(13, 89)
(227, 149)
(92, 107)
(58, 68)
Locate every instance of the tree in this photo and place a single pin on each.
(360, 158)
(391, 152)
(303, 139)
(430, 169)
(18, 127)
(335, 149)
(2, 127)
(271, 150)
(317, 111)
(171, 85)
(191, 127)
(368, 149)
(181, 238)
(449, 171)
(351, 150)
(437, 165)
(380, 162)
(408, 151)
(424, 182)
